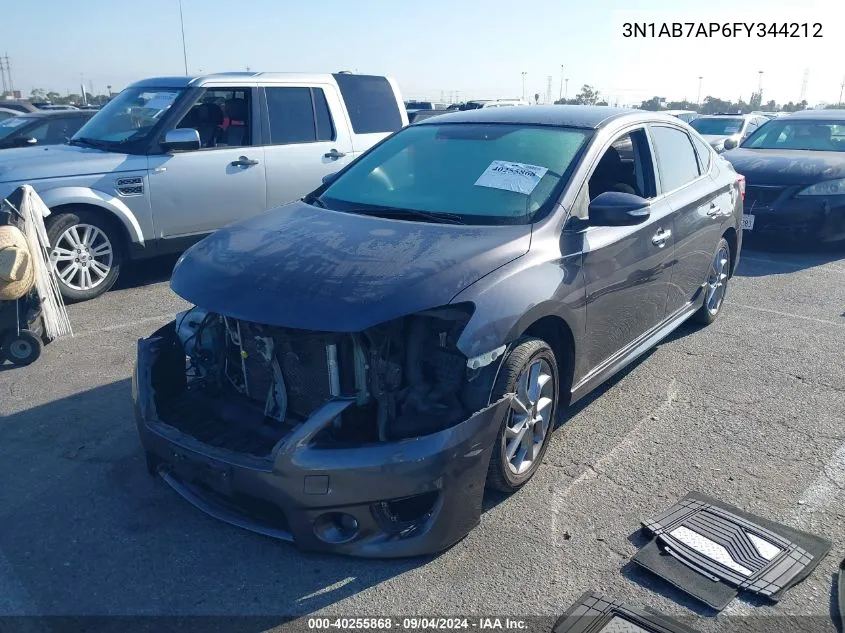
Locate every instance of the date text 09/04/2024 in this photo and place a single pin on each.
(416, 623)
(721, 29)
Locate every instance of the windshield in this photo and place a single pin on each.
(717, 126)
(130, 116)
(802, 135)
(476, 173)
(10, 125)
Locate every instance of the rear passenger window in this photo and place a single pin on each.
(371, 103)
(676, 159)
(291, 116)
(325, 128)
(703, 151)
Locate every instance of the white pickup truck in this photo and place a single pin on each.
(171, 159)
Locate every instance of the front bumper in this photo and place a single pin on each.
(290, 494)
(821, 217)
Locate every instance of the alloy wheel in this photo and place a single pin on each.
(83, 257)
(717, 280)
(530, 417)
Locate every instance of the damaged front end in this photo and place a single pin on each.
(374, 443)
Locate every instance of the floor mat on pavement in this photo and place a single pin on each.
(595, 614)
(712, 551)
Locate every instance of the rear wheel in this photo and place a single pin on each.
(717, 284)
(86, 255)
(529, 372)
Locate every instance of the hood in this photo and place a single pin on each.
(786, 167)
(59, 161)
(307, 268)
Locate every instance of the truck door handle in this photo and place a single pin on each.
(660, 237)
(243, 161)
(714, 210)
(334, 154)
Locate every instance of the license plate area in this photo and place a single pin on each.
(747, 222)
(214, 476)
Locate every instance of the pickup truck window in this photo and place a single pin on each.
(298, 115)
(371, 103)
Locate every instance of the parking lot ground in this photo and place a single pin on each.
(750, 410)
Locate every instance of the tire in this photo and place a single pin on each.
(506, 472)
(22, 348)
(100, 258)
(717, 282)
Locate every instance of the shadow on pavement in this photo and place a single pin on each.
(87, 531)
(145, 272)
(763, 256)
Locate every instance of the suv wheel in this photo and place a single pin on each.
(529, 372)
(717, 284)
(86, 253)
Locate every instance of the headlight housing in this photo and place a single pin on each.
(825, 188)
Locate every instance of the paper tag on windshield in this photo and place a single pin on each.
(517, 177)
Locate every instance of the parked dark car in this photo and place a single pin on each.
(364, 362)
(422, 115)
(18, 105)
(795, 176)
(716, 129)
(41, 128)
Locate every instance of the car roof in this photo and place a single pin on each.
(201, 80)
(817, 114)
(52, 114)
(592, 117)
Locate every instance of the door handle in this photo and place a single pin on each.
(660, 237)
(714, 210)
(334, 154)
(243, 161)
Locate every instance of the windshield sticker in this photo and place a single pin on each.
(161, 101)
(517, 177)
(14, 121)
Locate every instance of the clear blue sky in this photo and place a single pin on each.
(479, 48)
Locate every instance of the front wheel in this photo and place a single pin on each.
(529, 372)
(717, 284)
(86, 253)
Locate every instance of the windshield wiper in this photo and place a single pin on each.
(314, 201)
(91, 142)
(400, 212)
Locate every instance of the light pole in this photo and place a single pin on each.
(561, 82)
(523, 84)
(184, 49)
(760, 86)
(698, 99)
(566, 88)
(841, 88)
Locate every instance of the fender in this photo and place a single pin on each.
(85, 195)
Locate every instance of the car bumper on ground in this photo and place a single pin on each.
(821, 218)
(392, 499)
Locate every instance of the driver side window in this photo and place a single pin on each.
(222, 117)
(626, 166)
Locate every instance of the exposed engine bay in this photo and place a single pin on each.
(247, 386)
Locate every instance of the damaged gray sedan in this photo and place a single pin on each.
(361, 364)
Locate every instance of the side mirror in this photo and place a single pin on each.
(26, 141)
(729, 143)
(329, 178)
(616, 208)
(181, 140)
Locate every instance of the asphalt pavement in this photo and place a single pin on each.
(750, 410)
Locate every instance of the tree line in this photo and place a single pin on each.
(588, 95)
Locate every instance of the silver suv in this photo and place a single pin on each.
(171, 159)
